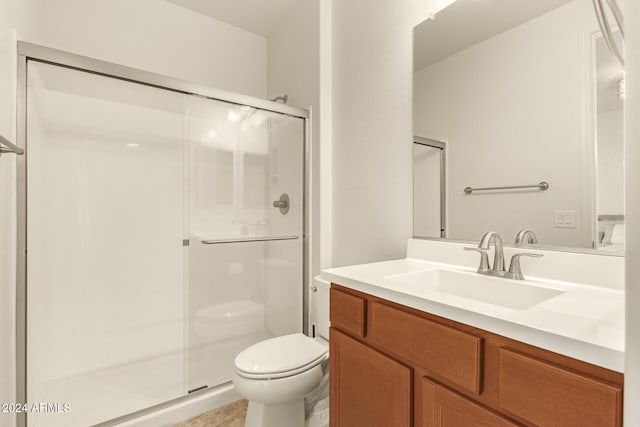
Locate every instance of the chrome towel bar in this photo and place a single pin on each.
(248, 239)
(542, 186)
(7, 146)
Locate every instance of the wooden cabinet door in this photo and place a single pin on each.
(553, 396)
(368, 389)
(442, 407)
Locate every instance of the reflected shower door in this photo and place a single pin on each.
(428, 188)
(242, 289)
(105, 291)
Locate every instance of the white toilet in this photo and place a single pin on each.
(276, 375)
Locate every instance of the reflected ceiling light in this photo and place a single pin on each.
(234, 116)
(621, 88)
(240, 113)
(133, 145)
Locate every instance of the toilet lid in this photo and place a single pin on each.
(280, 355)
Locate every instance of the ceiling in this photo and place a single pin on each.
(467, 22)
(256, 16)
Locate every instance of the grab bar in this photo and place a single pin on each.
(9, 147)
(542, 186)
(248, 239)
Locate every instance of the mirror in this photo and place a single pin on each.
(518, 124)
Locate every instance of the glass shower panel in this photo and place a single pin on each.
(243, 287)
(105, 291)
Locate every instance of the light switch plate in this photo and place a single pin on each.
(565, 219)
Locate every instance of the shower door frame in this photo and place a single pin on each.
(32, 52)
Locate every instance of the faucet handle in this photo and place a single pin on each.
(526, 236)
(484, 258)
(515, 271)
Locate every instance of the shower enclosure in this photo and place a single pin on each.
(161, 232)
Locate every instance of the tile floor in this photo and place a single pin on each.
(231, 415)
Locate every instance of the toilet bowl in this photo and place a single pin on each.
(275, 375)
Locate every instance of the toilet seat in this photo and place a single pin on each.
(280, 357)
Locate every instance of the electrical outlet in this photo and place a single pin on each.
(565, 219)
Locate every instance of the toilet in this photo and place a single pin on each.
(275, 375)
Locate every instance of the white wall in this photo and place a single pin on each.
(611, 162)
(372, 132)
(632, 213)
(162, 37)
(18, 19)
(293, 68)
(325, 129)
(508, 108)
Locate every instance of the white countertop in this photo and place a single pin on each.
(584, 322)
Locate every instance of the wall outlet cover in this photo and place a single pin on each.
(565, 219)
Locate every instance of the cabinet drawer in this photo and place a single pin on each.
(449, 353)
(549, 395)
(348, 312)
(442, 407)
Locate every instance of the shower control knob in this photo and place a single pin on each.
(282, 204)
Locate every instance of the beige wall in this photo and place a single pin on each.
(632, 199)
(293, 68)
(611, 162)
(372, 132)
(162, 37)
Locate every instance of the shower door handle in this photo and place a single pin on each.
(7, 146)
(282, 204)
(249, 239)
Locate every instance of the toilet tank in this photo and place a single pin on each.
(320, 300)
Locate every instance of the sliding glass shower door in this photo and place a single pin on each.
(105, 221)
(245, 253)
(155, 252)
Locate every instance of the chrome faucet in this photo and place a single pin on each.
(498, 256)
(526, 234)
(515, 271)
(498, 252)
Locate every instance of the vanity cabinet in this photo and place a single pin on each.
(392, 365)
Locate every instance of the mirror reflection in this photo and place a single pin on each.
(518, 118)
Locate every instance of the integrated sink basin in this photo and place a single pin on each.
(497, 291)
